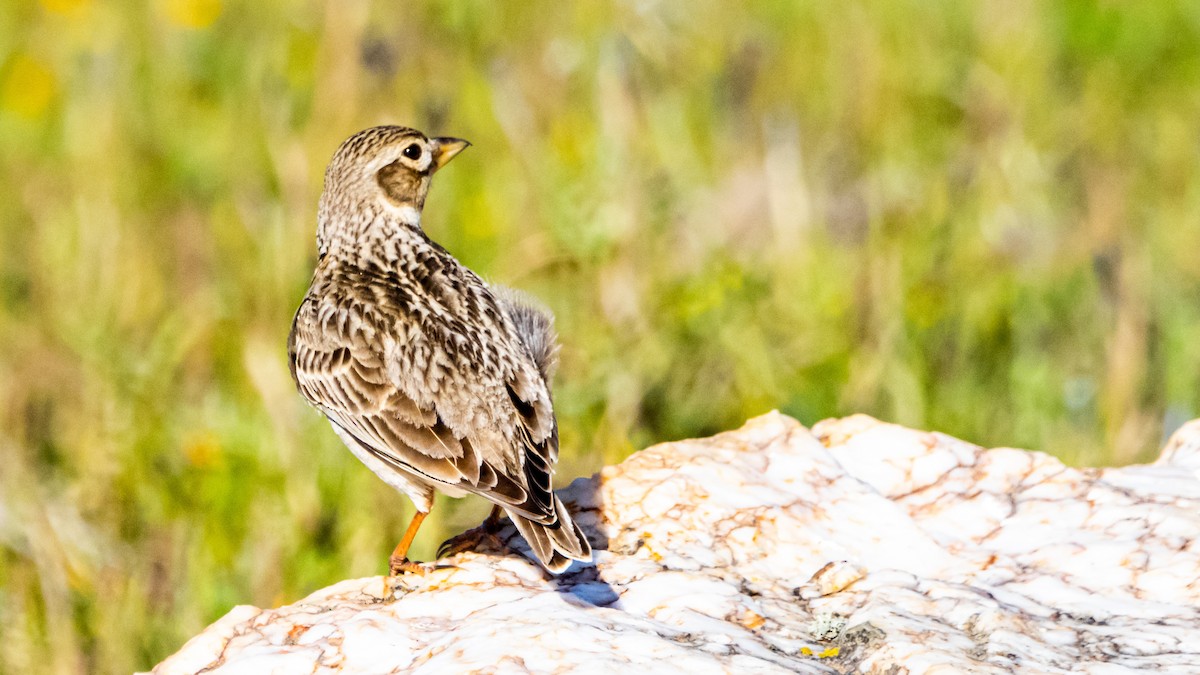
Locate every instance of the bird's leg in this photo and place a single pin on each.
(471, 539)
(491, 524)
(399, 561)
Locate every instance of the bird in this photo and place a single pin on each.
(433, 378)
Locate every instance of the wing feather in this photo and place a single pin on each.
(481, 420)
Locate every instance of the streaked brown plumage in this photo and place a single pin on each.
(432, 378)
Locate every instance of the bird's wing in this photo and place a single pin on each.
(460, 402)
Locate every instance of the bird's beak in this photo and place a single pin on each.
(445, 148)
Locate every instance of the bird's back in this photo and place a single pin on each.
(429, 331)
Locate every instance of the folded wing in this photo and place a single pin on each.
(477, 419)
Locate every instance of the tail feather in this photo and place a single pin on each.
(557, 543)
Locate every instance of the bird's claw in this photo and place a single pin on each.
(399, 565)
(469, 541)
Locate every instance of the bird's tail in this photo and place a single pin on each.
(555, 544)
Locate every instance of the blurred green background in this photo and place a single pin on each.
(977, 218)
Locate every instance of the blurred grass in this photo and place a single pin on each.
(979, 218)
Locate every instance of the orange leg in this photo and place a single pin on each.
(399, 561)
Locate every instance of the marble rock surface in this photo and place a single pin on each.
(857, 546)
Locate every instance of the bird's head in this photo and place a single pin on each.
(384, 169)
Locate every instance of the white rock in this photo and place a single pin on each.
(859, 546)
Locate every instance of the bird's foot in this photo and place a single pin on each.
(399, 565)
(471, 540)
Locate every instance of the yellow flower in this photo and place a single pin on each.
(202, 450)
(193, 13)
(66, 7)
(29, 87)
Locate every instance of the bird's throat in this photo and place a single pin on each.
(406, 214)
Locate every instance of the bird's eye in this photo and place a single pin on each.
(413, 152)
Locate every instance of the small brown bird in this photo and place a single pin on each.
(434, 379)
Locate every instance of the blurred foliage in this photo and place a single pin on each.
(982, 218)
